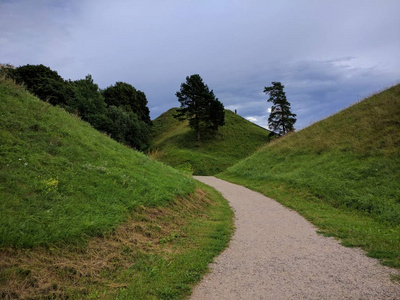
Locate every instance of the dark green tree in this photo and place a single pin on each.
(143, 111)
(88, 102)
(128, 117)
(281, 119)
(127, 97)
(199, 106)
(43, 82)
(122, 112)
(125, 127)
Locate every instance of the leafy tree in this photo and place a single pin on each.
(44, 83)
(199, 106)
(125, 127)
(128, 117)
(127, 97)
(143, 111)
(88, 101)
(281, 118)
(122, 112)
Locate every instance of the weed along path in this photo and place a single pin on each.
(276, 254)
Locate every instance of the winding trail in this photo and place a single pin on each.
(276, 254)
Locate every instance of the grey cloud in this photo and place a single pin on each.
(327, 54)
(316, 89)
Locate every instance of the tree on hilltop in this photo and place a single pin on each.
(43, 82)
(128, 115)
(199, 106)
(88, 102)
(281, 119)
(127, 97)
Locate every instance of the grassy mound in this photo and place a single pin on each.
(347, 164)
(85, 217)
(61, 180)
(160, 253)
(174, 143)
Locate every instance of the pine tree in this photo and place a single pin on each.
(199, 106)
(281, 119)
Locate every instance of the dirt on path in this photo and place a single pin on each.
(276, 254)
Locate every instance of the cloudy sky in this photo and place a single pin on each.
(328, 54)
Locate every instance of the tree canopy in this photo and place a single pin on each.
(200, 106)
(122, 112)
(43, 82)
(125, 127)
(281, 119)
(88, 103)
(127, 97)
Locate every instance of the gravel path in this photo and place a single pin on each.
(276, 254)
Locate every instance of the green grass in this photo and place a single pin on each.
(175, 144)
(159, 253)
(61, 181)
(158, 277)
(85, 217)
(342, 173)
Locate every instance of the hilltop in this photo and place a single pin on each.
(342, 173)
(174, 143)
(83, 216)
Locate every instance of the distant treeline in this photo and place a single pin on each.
(119, 110)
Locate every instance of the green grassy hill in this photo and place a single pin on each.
(175, 144)
(84, 216)
(342, 173)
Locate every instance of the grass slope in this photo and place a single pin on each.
(342, 173)
(65, 187)
(175, 144)
(61, 179)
